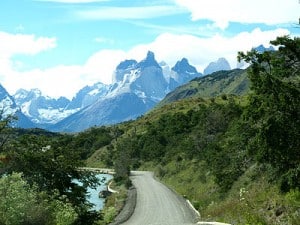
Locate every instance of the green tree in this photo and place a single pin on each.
(123, 161)
(53, 166)
(274, 110)
(21, 203)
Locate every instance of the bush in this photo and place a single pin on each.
(22, 204)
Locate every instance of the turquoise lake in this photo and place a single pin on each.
(93, 194)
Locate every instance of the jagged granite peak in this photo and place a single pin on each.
(260, 49)
(182, 73)
(148, 61)
(183, 66)
(220, 64)
(149, 79)
(144, 78)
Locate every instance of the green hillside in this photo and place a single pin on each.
(232, 82)
(236, 158)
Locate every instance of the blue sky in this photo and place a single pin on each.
(59, 46)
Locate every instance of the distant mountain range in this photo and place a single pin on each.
(45, 111)
(137, 88)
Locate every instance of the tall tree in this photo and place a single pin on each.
(274, 110)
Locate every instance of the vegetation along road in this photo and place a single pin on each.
(158, 205)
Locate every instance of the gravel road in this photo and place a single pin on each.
(158, 205)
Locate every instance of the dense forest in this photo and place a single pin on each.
(236, 158)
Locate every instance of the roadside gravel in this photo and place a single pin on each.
(128, 208)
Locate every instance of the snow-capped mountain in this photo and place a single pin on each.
(8, 107)
(137, 87)
(88, 95)
(220, 64)
(44, 111)
(40, 109)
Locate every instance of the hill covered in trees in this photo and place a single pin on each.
(229, 82)
(235, 157)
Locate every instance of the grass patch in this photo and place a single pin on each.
(99, 159)
(252, 200)
(113, 204)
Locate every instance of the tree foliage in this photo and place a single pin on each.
(50, 165)
(21, 203)
(274, 109)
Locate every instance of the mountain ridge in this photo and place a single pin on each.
(144, 83)
(233, 82)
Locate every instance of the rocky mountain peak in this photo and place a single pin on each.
(126, 64)
(148, 61)
(183, 66)
(220, 64)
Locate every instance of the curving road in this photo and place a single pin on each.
(158, 205)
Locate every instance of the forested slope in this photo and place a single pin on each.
(230, 82)
(236, 158)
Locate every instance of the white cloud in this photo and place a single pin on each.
(57, 81)
(114, 13)
(100, 66)
(201, 51)
(67, 80)
(244, 11)
(12, 44)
